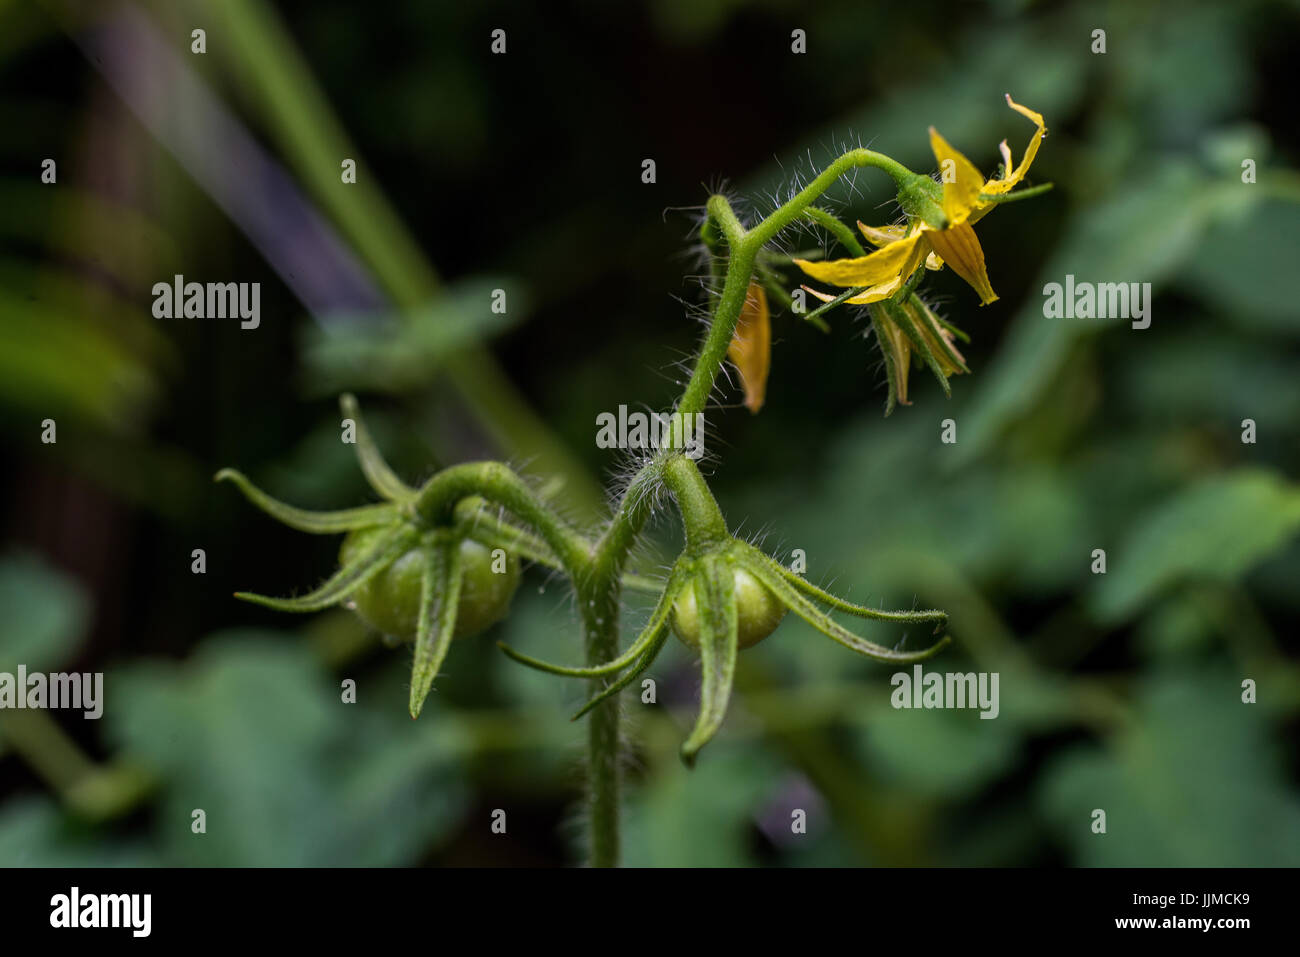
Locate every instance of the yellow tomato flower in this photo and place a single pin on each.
(945, 236)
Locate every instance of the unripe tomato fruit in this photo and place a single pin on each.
(758, 612)
(390, 601)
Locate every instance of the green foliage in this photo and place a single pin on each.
(1217, 529)
(1119, 692)
(254, 732)
(1194, 782)
(45, 615)
(402, 352)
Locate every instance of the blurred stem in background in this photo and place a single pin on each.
(94, 792)
(278, 83)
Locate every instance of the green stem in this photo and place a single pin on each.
(595, 573)
(596, 570)
(836, 229)
(701, 517)
(744, 246)
(766, 231)
(436, 503)
(599, 598)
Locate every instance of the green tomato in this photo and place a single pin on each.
(758, 612)
(390, 601)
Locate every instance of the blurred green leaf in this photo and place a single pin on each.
(404, 351)
(34, 832)
(253, 732)
(56, 362)
(700, 818)
(1218, 528)
(1246, 270)
(1194, 781)
(1141, 233)
(946, 754)
(45, 614)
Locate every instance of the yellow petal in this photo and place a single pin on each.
(961, 250)
(882, 235)
(934, 261)
(1011, 177)
(962, 182)
(751, 346)
(875, 268)
(868, 295)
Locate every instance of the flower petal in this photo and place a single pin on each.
(961, 250)
(1011, 177)
(867, 296)
(882, 235)
(751, 346)
(881, 266)
(962, 182)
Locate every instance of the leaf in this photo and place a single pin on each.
(251, 729)
(702, 817)
(1219, 529)
(34, 832)
(45, 614)
(1145, 231)
(1193, 781)
(1245, 268)
(403, 352)
(945, 754)
(751, 346)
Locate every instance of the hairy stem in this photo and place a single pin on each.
(599, 599)
(436, 503)
(701, 516)
(743, 248)
(596, 570)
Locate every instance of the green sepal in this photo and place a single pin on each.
(922, 198)
(781, 586)
(932, 615)
(479, 520)
(1029, 192)
(900, 318)
(715, 598)
(657, 622)
(892, 372)
(648, 656)
(936, 327)
(386, 549)
(381, 478)
(317, 523)
(439, 601)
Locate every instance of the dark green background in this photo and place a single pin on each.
(1120, 692)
